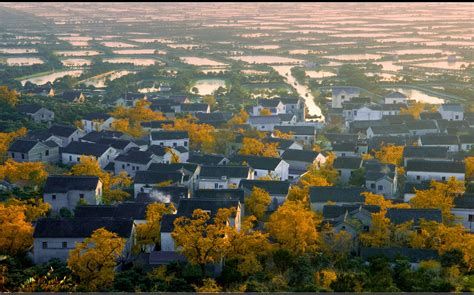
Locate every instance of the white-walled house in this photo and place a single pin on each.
(451, 111)
(223, 176)
(321, 195)
(24, 150)
(264, 123)
(464, 211)
(72, 153)
(396, 98)
(342, 94)
(134, 161)
(346, 166)
(56, 237)
(66, 191)
(466, 142)
(264, 166)
(275, 106)
(440, 140)
(169, 138)
(97, 122)
(36, 112)
(65, 133)
(423, 170)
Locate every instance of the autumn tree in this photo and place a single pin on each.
(469, 167)
(246, 246)
(16, 232)
(200, 240)
(33, 208)
(390, 154)
(265, 112)
(294, 228)
(413, 110)
(8, 96)
(240, 118)
(201, 136)
(6, 138)
(440, 195)
(23, 173)
(148, 234)
(258, 201)
(208, 286)
(112, 185)
(379, 200)
(128, 120)
(252, 146)
(279, 134)
(335, 245)
(379, 234)
(210, 100)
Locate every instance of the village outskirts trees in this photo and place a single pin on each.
(8, 96)
(30, 174)
(413, 110)
(6, 138)
(252, 146)
(16, 232)
(258, 201)
(390, 154)
(294, 228)
(94, 260)
(201, 136)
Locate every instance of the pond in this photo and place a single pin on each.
(17, 50)
(118, 45)
(40, 80)
(208, 86)
(420, 51)
(182, 46)
(354, 57)
(23, 61)
(76, 62)
(200, 61)
(389, 66)
(263, 46)
(303, 91)
(139, 51)
(320, 74)
(457, 65)
(151, 40)
(99, 82)
(134, 61)
(78, 53)
(418, 95)
(267, 59)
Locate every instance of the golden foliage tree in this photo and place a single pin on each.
(201, 136)
(469, 168)
(440, 195)
(246, 246)
(16, 232)
(335, 245)
(265, 112)
(240, 118)
(252, 146)
(390, 154)
(23, 173)
(6, 138)
(294, 228)
(210, 100)
(379, 234)
(95, 259)
(413, 110)
(202, 241)
(277, 133)
(258, 201)
(149, 233)
(32, 208)
(128, 120)
(208, 286)
(8, 96)
(379, 200)
(111, 185)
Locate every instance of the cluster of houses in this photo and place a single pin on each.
(435, 146)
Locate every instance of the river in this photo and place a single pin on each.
(313, 108)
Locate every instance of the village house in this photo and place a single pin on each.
(440, 140)
(65, 133)
(189, 171)
(207, 159)
(97, 122)
(345, 166)
(36, 112)
(120, 145)
(73, 96)
(381, 179)
(194, 108)
(264, 123)
(130, 99)
(24, 150)
(466, 142)
(295, 106)
(422, 127)
(399, 216)
(427, 153)
(136, 160)
(275, 106)
(278, 190)
(396, 98)
(223, 177)
(392, 130)
(451, 111)
(45, 90)
(283, 144)
(71, 154)
(55, 238)
(264, 166)
(145, 181)
(169, 138)
(464, 211)
(321, 195)
(425, 170)
(303, 134)
(344, 149)
(300, 160)
(67, 191)
(342, 94)
(156, 125)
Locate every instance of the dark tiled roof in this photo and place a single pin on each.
(166, 194)
(430, 116)
(273, 187)
(347, 163)
(96, 116)
(344, 146)
(187, 206)
(335, 211)
(398, 119)
(341, 137)
(216, 194)
(153, 177)
(116, 143)
(323, 194)
(390, 129)
(412, 254)
(28, 108)
(157, 124)
(80, 227)
(167, 135)
(410, 187)
(205, 159)
(299, 155)
(65, 183)
(396, 94)
(71, 95)
(165, 257)
(220, 170)
(422, 125)
(297, 130)
(158, 150)
(466, 138)
(167, 220)
(435, 166)
(136, 157)
(22, 145)
(283, 144)
(425, 152)
(439, 139)
(173, 167)
(62, 130)
(464, 201)
(268, 103)
(85, 148)
(402, 215)
(194, 107)
(256, 162)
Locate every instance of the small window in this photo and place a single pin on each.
(81, 196)
(380, 187)
(470, 218)
(123, 166)
(46, 153)
(13, 155)
(162, 144)
(70, 158)
(216, 185)
(45, 245)
(372, 185)
(23, 156)
(53, 197)
(185, 143)
(78, 159)
(366, 228)
(64, 245)
(128, 164)
(443, 178)
(418, 177)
